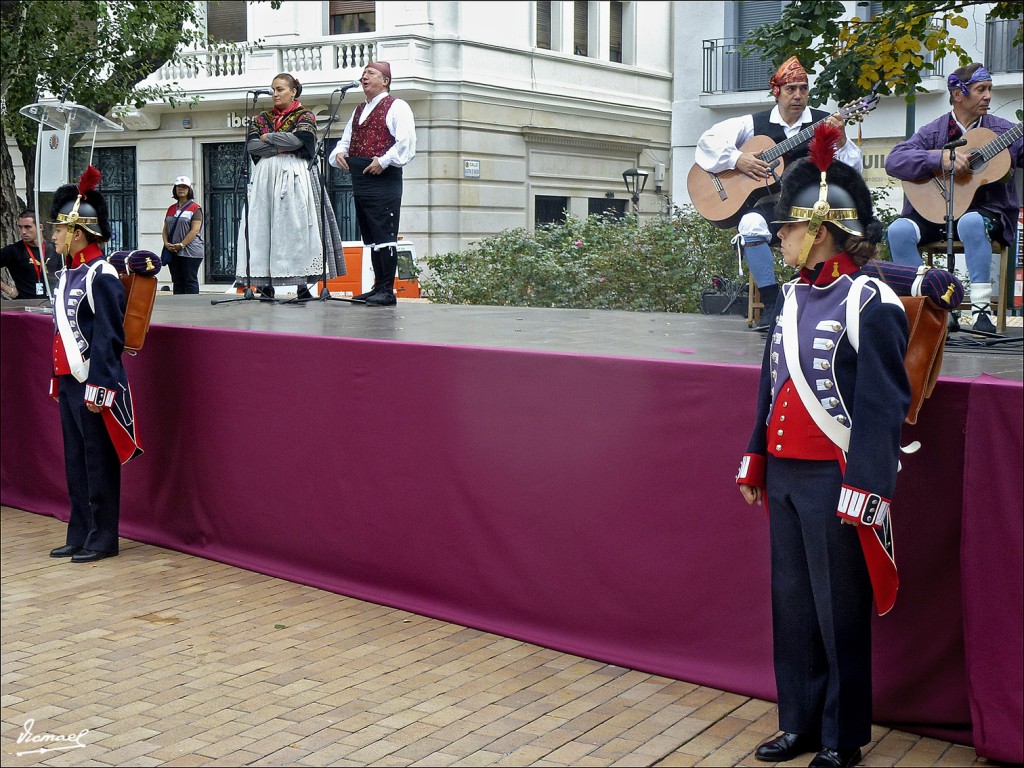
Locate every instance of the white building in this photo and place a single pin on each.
(524, 109)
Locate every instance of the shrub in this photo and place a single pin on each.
(600, 262)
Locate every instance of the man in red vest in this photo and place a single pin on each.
(379, 140)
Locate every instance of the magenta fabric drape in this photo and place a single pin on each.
(579, 502)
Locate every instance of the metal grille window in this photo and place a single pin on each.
(581, 27)
(226, 21)
(117, 164)
(604, 206)
(349, 18)
(1001, 55)
(339, 190)
(223, 202)
(544, 24)
(549, 210)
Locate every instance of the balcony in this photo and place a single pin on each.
(725, 70)
(324, 62)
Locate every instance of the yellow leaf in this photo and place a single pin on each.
(958, 21)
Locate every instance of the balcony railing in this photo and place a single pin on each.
(725, 70)
(203, 69)
(1001, 55)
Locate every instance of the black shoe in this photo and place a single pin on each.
(383, 298)
(90, 556)
(836, 758)
(953, 325)
(303, 293)
(785, 747)
(66, 551)
(364, 296)
(983, 323)
(267, 290)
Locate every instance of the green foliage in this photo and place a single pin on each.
(853, 55)
(600, 262)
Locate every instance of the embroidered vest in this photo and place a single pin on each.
(372, 138)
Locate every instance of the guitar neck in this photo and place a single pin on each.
(997, 145)
(791, 143)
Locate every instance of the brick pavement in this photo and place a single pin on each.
(170, 659)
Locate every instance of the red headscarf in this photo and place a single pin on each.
(791, 71)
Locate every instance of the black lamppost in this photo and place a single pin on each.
(635, 180)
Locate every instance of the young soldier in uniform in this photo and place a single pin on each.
(89, 380)
(823, 457)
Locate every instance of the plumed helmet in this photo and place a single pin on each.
(82, 205)
(821, 188)
(135, 262)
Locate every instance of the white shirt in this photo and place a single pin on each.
(400, 123)
(718, 147)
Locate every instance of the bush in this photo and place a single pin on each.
(601, 262)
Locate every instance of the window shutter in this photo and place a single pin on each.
(544, 24)
(581, 29)
(226, 21)
(615, 34)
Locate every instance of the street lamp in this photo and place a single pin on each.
(635, 180)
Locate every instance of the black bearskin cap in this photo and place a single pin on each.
(847, 191)
(91, 214)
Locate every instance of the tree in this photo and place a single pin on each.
(891, 48)
(91, 52)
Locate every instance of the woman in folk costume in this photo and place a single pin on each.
(89, 380)
(823, 456)
(284, 199)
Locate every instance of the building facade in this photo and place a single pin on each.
(524, 109)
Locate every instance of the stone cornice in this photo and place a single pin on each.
(536, 135)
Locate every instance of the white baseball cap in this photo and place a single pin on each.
(183, 180)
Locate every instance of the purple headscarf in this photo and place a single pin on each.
(980, 75)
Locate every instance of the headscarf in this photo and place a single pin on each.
(791, 71)
(981, 75)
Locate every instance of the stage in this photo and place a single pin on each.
(564, 477)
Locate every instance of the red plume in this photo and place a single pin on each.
(822, 149)
(89, 180)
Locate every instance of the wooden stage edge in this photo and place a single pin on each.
(695, 338)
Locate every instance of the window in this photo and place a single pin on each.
(117, 164)
(226, 21)
(752, 73)
(348, 18)
(581, 27)
(549, 210)
(544, 24)
(615, 33)
(606, 206)
(223, 201)
(1001, 55)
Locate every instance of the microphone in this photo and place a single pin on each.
(954, 144)
(347, 86)
(261, 92)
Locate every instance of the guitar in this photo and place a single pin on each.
(988, 163)
(721, 197)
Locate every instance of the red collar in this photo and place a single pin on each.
(87, 255)
(827, 272)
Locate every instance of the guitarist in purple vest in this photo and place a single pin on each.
(993, 211)
(718, 150)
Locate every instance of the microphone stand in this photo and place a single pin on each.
(320, 155)
(243, 175)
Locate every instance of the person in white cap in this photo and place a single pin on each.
(183, 239)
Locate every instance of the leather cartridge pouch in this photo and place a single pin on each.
(928, 328)
(141, 291)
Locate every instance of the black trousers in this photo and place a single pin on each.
(821, 606)
(185, 274)
(93, 472)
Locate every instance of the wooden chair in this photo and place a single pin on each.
(999, 296)
(754, 303)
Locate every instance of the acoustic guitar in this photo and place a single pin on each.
(989, 161)
(722, 197)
